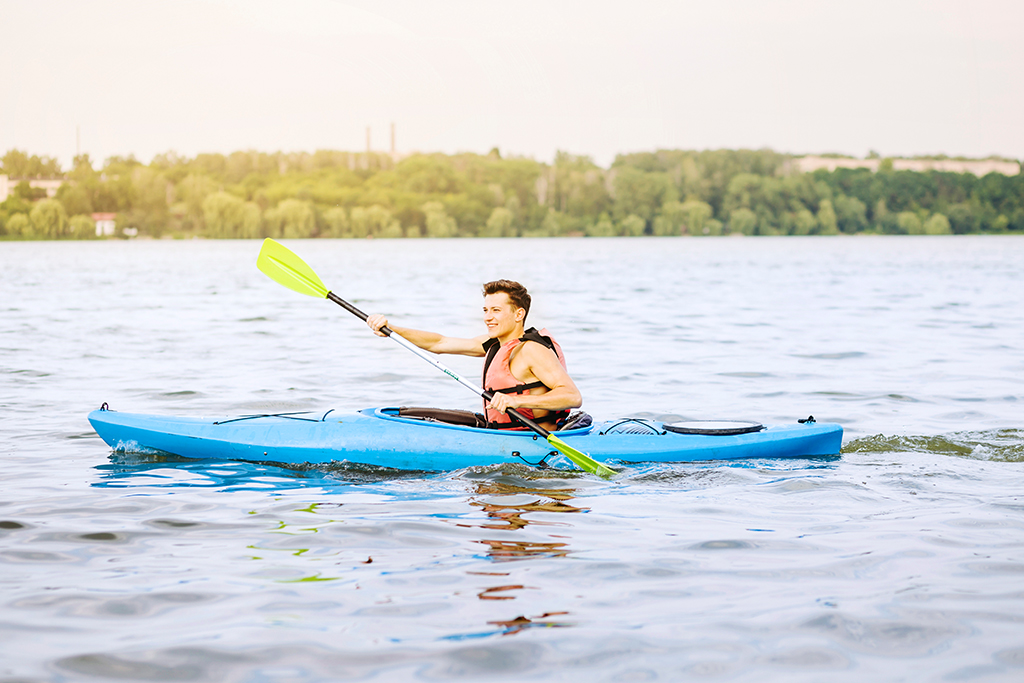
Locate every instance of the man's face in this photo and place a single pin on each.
(500, 315)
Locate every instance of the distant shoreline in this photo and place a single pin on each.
(375, 195)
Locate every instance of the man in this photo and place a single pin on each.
(524, 368)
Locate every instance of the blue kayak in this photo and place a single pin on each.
(382, 437)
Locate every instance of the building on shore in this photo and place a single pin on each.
(105, 224)
(979, 167)
(51, 185)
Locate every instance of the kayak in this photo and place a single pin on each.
(383, 437)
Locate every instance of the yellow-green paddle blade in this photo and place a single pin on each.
(283, 267)
(581, 459)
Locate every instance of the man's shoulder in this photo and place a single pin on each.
(534, 349)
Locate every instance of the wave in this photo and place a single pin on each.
(1000, 445)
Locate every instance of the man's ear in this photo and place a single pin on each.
(520, 315)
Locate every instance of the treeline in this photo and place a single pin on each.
(343, 194)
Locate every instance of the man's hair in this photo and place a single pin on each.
(517, 294)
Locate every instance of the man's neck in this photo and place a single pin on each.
(516, 333)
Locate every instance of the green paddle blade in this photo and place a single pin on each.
(581, 459)
(282, 266)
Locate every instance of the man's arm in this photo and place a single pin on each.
(430, 341)
(543, 364)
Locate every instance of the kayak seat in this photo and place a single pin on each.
(463, 418)
(577, 419)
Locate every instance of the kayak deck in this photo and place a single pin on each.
(379, 436)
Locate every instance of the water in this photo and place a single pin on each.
(903, 559)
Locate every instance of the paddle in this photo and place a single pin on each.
(281, 265)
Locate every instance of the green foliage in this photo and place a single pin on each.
(499, 224)
(19, 164)
(375, 221)
(697, 216)
(742, 221)
(851, 214)
(640, 194)
(827, 224)
(291, 219)
(49, 220)
(909, 223)
(335, 221)
(937, 224)
(602, 228)
(439, 223)
(82, 227)
(18, 225)
(227, 216)
(632, 226)
(15, 204)
(342, 194)
(75, 198)
(25, 190)
(804, 223)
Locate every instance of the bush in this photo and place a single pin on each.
(632, 226)
(82, 227)
(499, 224)
(291, 219)
(228, 216)
(937, 225)
(19, 225)
(49, 219)
(336, 223)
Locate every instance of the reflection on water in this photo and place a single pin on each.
(521, 623)
(504, 551)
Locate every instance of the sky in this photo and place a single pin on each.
(596, 78)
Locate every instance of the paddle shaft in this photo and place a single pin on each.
(429, 357)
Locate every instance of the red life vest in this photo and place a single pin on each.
(498, 377)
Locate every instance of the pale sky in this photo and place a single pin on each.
(595, 77)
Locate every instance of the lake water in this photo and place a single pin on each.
(901, 559)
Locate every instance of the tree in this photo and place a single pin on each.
(49, 219)
(336, 222)
(227, 216)
(19, 225)
(148, 206)
(75, 198)
(291, 219)
(550, 227)
(804, 223)
(696, 215)
(885, 221)
(742, 221)
(25, 190)
(641, 194)
(82, 227)
(937, 224)
(827, 218)
(439, 223)
(632, 226)
(602, 228)
(375, 221)
(713, 228)
(499, 224)
(18, 164)
(962, 218)
(193, 191)
(909, 223)
(851, 214)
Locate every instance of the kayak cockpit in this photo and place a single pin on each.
(454, 419)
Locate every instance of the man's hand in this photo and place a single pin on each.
(377, 321)
(502, 402)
